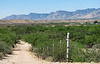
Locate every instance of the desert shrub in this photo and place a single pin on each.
(96, 46)
(7, 41)
(97, 57)
(80, 37)
(95, 22)
(49, 58)
(5, 49)
(1, 55)
(93, 55)
(8, 37)
(77, 52)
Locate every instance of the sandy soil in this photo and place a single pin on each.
(22, 55)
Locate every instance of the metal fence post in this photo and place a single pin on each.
(47, 51)
(40, 53)
(53, 53)
(43, 53)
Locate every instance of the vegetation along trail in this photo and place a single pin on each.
(22, 55)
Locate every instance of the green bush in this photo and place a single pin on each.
(5, 49)
(1, 55)
(81, 37)
(96, 46)
(7, 41)
(40, 36)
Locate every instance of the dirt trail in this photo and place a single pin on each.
(22, 55)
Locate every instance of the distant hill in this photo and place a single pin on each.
(90, 13)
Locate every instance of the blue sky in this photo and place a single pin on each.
(9, 7)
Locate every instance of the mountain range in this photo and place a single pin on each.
(90, 13)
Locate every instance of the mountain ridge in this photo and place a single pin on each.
(89, 13)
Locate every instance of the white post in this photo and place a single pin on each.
(67, 51)
(60, 51)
